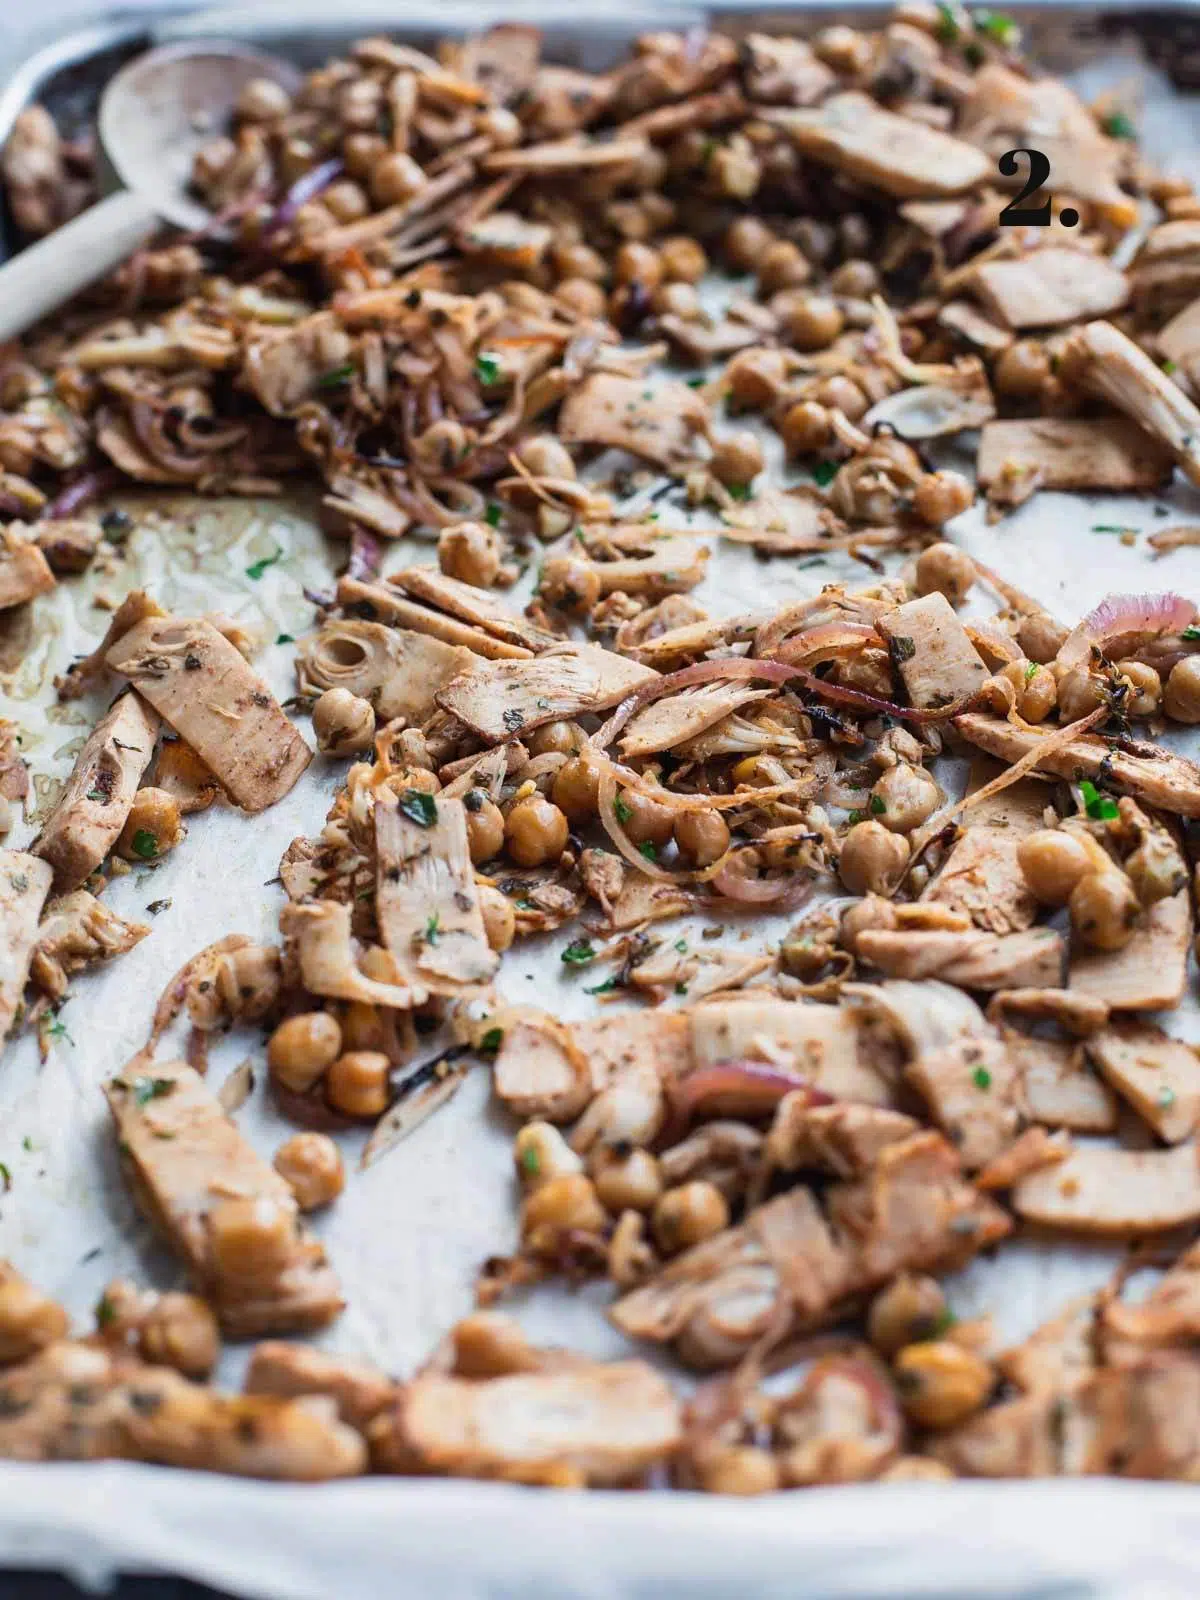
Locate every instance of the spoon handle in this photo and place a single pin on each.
(48, 273)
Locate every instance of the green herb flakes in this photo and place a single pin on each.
(97, 794)
(998, 27)
(106, 1312)
(5, 1179)
(902, 648)
(493, 514)
(878, 807)
(981, 1078)
(648, 849)
(147, 1089)
(1170, 368)
(336, 377)
(433, 929)
(1118, 126)
(1031, 672)
(1098, 806)
(487, 370)
(531, 1163)
(1166, 1097)
(578, 953)
(1191, 634)
(145, 845)
(285, 638)
(256, 568)
(491, 1041)
(681, 946)
(622, 810)
(947, 29)
(418, 807)
(740, 491)
(824, 472)
(606, 987)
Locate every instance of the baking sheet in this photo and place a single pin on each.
(408, 1235)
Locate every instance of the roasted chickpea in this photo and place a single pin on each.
(857, 280)
(1078, 694)
(805, 428)
(740, 1469)
(535, 831)
(541, 1153)
(638, 263)
(180, 1331)
(395, 179)
(1022, 369)
(746, 242)
(582, 298)
(578, 260)
(737, 460)
(782, 266)
(872, 858)
(345, 200)
(470, 552)
(153, 827)
(942, 1383)
(361, 153)
(941, 496)
(358, 1084)
(682, 259)
(343, 722)
(1145, 688)
(903, 798)
(688, 1214)
(311, 1165)
(29, 1319)
(577, 787)
(1040, 637)
(844, 395)
(251, 1239)
(945, 569)
(1104, 910)
(910, 1309)
(546, 457)
(1181, 698)
(485, 826)
(735, 171)
(1034, 687)
(559, 738)
(814, 322)
(1053, 862)
(569, 584)
(566, 1204)
(644, 820)
(756, 377)
(362, 1028)
(499, 918)
(1156, 869)
(702, 837)
(301, 1048)
(626, 1178)
(262, 100)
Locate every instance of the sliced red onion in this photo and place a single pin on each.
(90, 486)
(724, 668)
(366, 556)
(749, 891)
(842, 695)
(827, 639)
(306, 187)
(1125, 617)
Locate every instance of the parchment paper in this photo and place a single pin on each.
(409, 1234)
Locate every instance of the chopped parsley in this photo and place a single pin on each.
(1031, 672)
(696, 383)
(487, 370)
(147, 1089)
(578, 953)
(648, 849)
(58, 1030)
(493, 514)
(981, 1078)
(5, 1179)
(336, 376)
(257, 568)
(995, 25)
(106, 1312)
(433, 929)
(284, 638)
(1098, 806)
(530, 1162)
(606, 987)
(1118, 126)
(1191, 633)
(98, 794)
(947, 29)
(27, 1144)
(824, 472)
(491, 1041)
(622, 810)
(145, 845)
(1170, 368)
(681, 946)
(418, 807)
(681, 988)
(878, 806)
(1110, 527)
(740, 491)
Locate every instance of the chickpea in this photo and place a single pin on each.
(1104, 910)
(910, 1309)
(916, 1469)
(844, 395)
(546, 457)
(755, 378)
(682, 259)
(311, 1164)
(627, 1179)
(360, 102)
(638, 263)
(814, 322)
(345, 200)
(644, 820)
(857, 280)
(578, 260)
(805, 428)
(361, 153)
(499, 918)
(358, 1084)
(735, 171)
(782, 266)
(1035, 689)
(416, 777)
(180, 1331)
(262, 100)
(1053, 862)
(1145, 688)
(1156, 869)
(251, 1240)
(535, 831)
(343, 722)
(741, 1469)
(1040, 637)
(577, 788)
(1181, 698)
(29, 1320)
(485, 826)
(153, 827)
(565, 1204)
(702, 837)
(301, 1048)
(541, 1153)
(903, 798)
(582, 298)
(557, 738)
(872, 859)
(1078, 694)
(941, 496)
(738, 460)
(1022, 369)
(945, 569)
(470, 552)
(942, 1383)
(362, 1028)
(688, 1214)
(746, 242)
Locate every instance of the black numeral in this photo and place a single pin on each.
(1014, 215)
